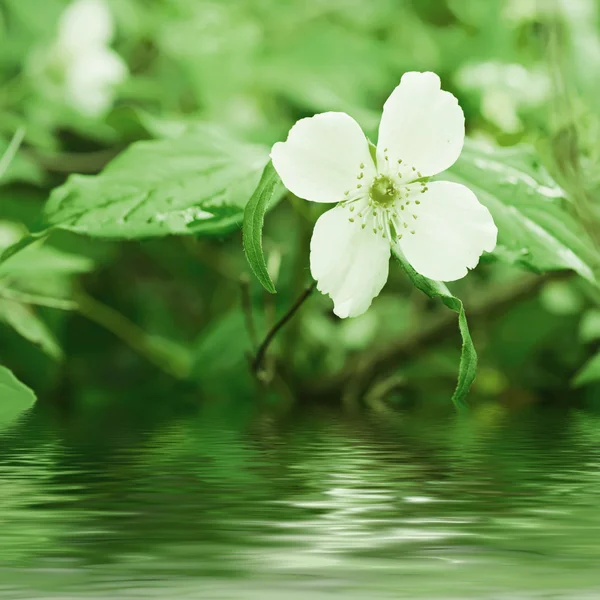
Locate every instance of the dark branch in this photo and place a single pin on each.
(359, 373)
(262, 350)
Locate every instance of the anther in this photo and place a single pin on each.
(399, 161)
(359, 186)
(360, 176)
(415, 217)
(419, 174)
(352, 209)
(351, 220)
(405, 225)
(412, 231)
(362, 165)
(374, 230)
(360, 214)
(402, 207)
(363, 226)
(347, 193)
(399, 236)
(417, 202)
(414, 169)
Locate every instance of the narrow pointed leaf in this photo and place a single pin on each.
(254, 218)
(467, 369)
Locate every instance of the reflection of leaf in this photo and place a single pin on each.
(468, 359)
(254, 218)
(196, 183)
(535, 227)
(15, 397)
(27, 324)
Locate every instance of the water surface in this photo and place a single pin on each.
(230, 503)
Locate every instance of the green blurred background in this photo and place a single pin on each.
(163, 320)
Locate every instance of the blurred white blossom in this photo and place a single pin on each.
(505, 89)
(83, 68)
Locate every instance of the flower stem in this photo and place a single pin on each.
(262, 350)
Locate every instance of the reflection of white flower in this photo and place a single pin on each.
(91, 68)
(387, 199)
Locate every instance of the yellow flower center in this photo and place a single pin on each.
(383, 192)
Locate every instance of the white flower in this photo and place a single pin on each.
(386, 199)
(91, 69)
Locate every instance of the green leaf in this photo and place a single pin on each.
(536, 224)
(15, 397)
(27, 324)
(197, 183)
(589, 373)
(589, 326)
(467, 369)
(15, 165)
(254, 218)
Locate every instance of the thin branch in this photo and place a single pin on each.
(359, 373)
(260, 355)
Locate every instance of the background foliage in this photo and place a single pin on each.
(128, 278)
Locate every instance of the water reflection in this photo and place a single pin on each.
(222, 504)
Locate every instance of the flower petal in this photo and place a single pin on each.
(349, 263)
(422, 125)
(322, 157)
(452, 230)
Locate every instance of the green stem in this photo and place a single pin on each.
(23, 243)
(37, 300)
(134, 336)
(11, 151)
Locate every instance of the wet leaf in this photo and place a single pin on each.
(536, 227)
(199, 182)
